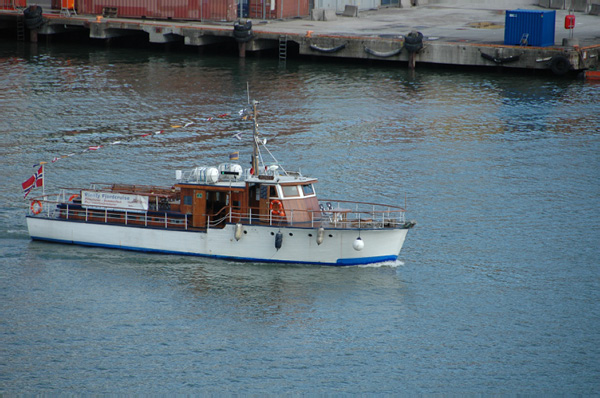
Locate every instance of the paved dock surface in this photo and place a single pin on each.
(453, 22)
(450, 20)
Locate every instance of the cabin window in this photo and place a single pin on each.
(290, 190)
(187, 200)
(307, 189)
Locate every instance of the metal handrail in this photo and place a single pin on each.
(378, 216)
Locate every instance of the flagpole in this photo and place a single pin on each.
(43, 181)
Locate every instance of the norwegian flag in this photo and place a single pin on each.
(36, 180)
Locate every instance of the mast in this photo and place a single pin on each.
(255, 140)
(43, 180)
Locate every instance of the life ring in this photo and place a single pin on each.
(277, 208)
(74, 196)
(36, 207)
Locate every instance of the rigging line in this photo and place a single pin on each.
(260, 157)
(275, 159)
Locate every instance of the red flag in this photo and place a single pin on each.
(39, 177)
(36, 180)
(28, 185)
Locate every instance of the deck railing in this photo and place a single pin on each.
(332, 214)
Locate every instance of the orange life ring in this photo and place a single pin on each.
(36, 207)
(277, 208)
(75, 196)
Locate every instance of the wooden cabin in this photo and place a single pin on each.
(260, 199)
(263, 199)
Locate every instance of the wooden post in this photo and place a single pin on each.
(242, 49)
(412, 60)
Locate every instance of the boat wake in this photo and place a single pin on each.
(390, 264)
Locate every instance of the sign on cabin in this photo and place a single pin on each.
(110, 200)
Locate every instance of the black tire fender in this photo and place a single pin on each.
(33, 17)
(560, 65)
(242, 31)
(241, 34)
(34, 23)
(239, 26)
(32, 12)
(244, 39)
(413, 42)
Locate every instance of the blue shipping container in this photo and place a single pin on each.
(529, 27)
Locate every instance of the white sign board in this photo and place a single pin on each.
(110, 200)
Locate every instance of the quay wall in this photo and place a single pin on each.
(460, 54)
(560, 59)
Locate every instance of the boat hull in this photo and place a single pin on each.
(256, 242)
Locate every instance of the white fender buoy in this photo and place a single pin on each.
(320, 235)
(358, 244)
(239, 229)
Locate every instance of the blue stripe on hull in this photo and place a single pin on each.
(365, 260)
(340, 262)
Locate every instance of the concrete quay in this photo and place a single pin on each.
(458, 33)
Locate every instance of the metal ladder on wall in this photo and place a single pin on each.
(282, 47)
(67, 12)
(21, 28)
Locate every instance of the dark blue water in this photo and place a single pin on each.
(497, 290)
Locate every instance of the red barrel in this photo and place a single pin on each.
(569, 21)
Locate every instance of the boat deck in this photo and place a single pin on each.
(333, 215)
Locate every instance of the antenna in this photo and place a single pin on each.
(255, 140)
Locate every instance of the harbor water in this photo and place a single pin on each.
(496, 290)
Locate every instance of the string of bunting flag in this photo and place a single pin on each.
(243, 114)
(37, 179)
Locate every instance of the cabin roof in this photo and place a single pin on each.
(280, 179)
(220, 184)
(261, 179)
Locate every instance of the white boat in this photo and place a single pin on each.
(261, 214)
